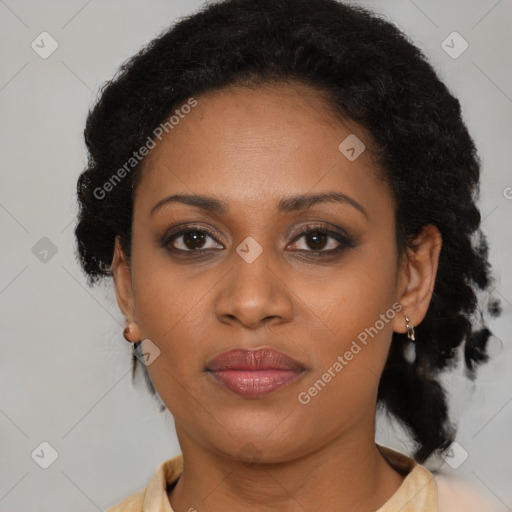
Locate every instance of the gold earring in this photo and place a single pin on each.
(131, 331)
(410, 329)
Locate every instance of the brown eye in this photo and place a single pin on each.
(320, 240)
(194, 239)
(316, 240)
(190, 240)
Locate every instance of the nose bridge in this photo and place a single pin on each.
(251, 277)
(252, 291)
(252, 266)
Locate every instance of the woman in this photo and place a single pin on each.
(284, 194)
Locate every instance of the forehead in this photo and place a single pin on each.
(256, 144)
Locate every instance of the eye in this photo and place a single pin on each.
(319, 239)
(191, 239)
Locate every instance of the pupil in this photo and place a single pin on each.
(318, 239)
(193, 237)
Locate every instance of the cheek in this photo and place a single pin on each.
(168, 309)
(164, 296)
(358, 317)
(354, 295)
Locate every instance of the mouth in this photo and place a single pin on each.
(254, 373)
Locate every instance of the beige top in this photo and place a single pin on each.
(419, 492)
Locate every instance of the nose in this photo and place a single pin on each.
(254, 294)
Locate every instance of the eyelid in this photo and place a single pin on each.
(323, 227)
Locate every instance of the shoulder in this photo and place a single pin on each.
(154, 496)
(456, 495)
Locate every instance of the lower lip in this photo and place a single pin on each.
(255, 383)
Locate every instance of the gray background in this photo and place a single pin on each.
(65, 374)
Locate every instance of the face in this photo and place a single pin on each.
(316, 278)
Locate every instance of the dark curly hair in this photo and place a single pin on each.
(370, 73)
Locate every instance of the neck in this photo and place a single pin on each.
(348, 473)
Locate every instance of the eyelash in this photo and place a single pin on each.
(344, 240)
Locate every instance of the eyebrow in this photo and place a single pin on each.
(286, 205)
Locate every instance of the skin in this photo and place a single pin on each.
(252, 148)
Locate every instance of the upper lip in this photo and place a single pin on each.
(253, 359)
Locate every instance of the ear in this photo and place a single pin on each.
(123, 281)
(417, 277)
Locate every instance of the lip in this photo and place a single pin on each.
(254, 373)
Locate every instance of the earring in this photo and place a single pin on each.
(410, 329)
(131, 332)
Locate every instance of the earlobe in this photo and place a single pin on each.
(122, 280)
(131, 332)
(418, 277)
